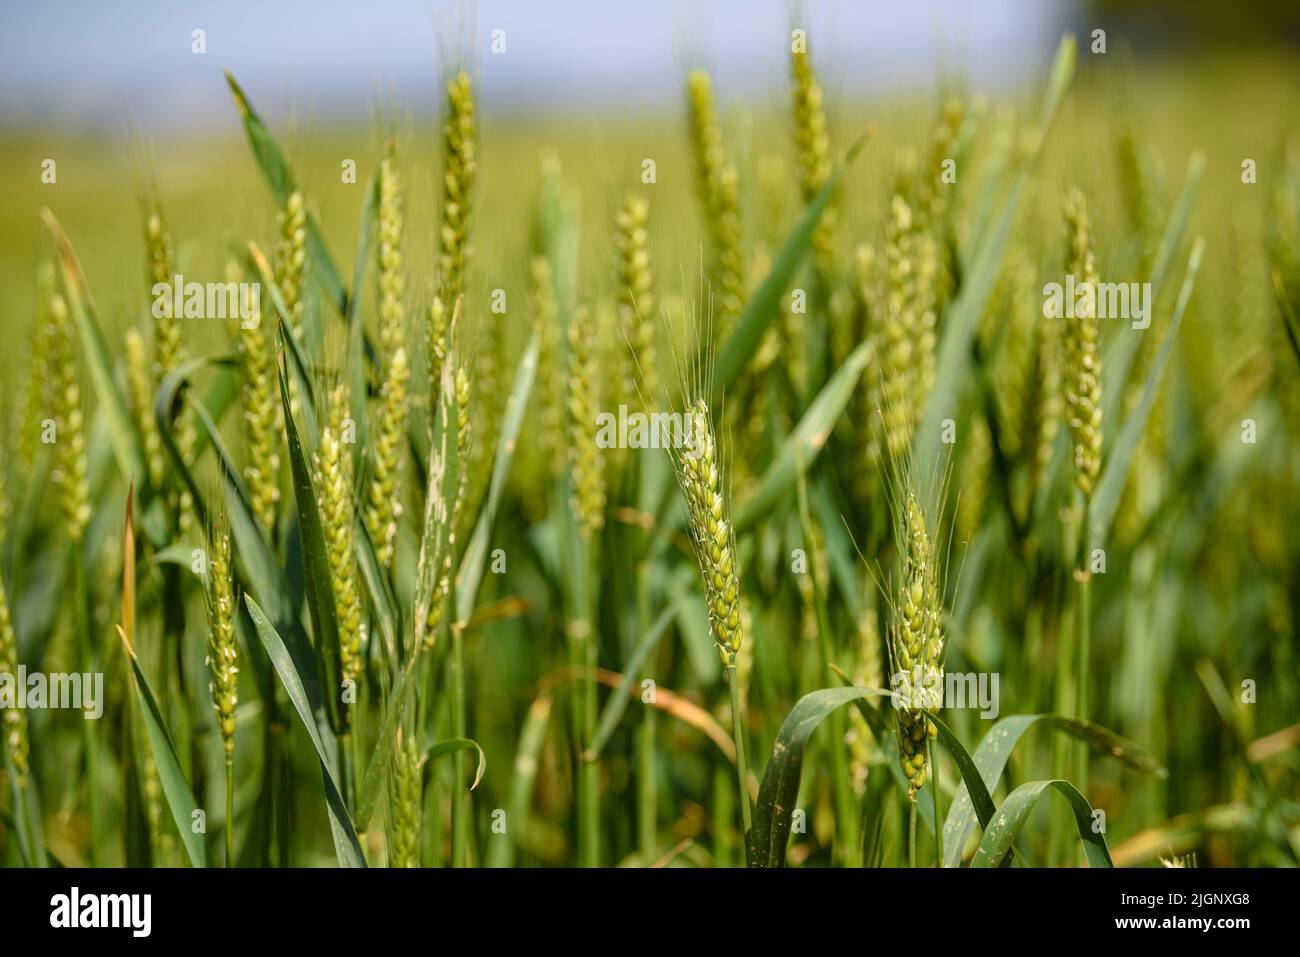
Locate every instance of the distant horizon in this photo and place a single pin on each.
(581, 56)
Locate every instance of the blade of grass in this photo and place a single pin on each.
(274, 167)
(963, 315)
(780, 787)
(762, 306)
(1101, 509)
(1287, 314)
(377, 770)
(667, 701)
(472, 565)
(180, 799)
(346, 847)
(1123, 348)
(994, 751)
(320, 588)
(292, 351)
(357, 341)
(1001, 834)
(616, 703)
(887, 737)
(126, 441)
(452, 745)
(807, 440)
(531, 738)
(260, 572)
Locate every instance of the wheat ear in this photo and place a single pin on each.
(460, 164)
(1083, 362)
(586, 465)
(719, 192)
(384, 496)
(334, 467)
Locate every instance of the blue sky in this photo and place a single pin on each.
(91, 63)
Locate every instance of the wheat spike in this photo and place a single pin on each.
(333, 462)
(459, 167)
(291, 259)
(550, 384)
(140, 394)
(384, 497)
(636, 299)
(168, 346)
(916, 639)
(223, 650)
(905, 332)
(404, 799)
(66, 407)
(719, 192)
(464, 433)
(31, 358)
(813, 151)
(13, 721)
(1083, 361)
(263, 417)
(699, 473)
(586, 467)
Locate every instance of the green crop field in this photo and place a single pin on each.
(702, 487)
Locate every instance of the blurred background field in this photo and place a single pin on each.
(1202, 594)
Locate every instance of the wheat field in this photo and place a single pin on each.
(817, 480)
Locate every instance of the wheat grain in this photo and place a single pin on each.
(168, 344)
(636, 300)
(812, 148)
(291, 260)
(464, 434)
(1083, 362)
(550, 361)
(440, 328)
(586, 467)
(916, 639)
(263, 417)
(13, 721)
(719, 193)
(700, 474)
(404, 799)
(168, 347)
(1007, 337)
(223, 657)
(140, 392)
(69, 417)
(384, 497)
(223, 651)
(933, 195)
(459, 167)
(904, 334)
(333, 461)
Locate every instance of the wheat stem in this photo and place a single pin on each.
(742, 768)
(911, 833)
